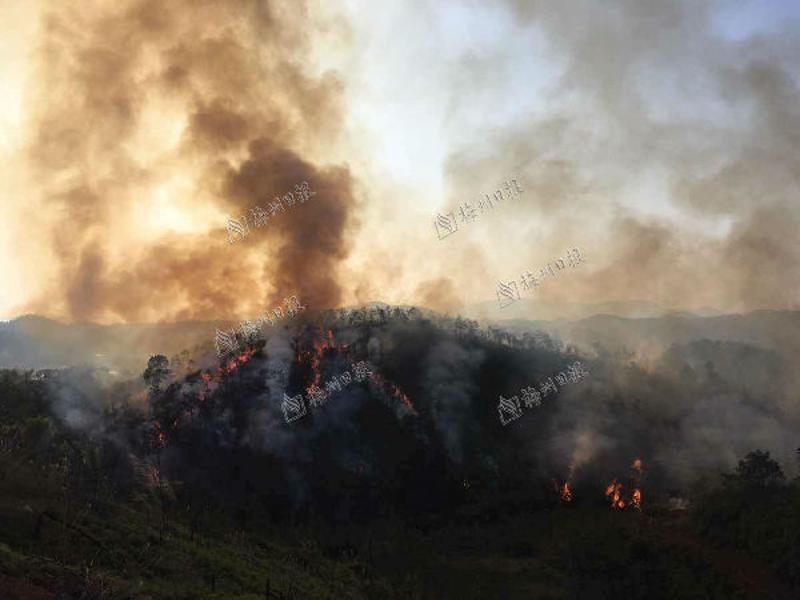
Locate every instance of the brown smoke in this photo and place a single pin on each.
(136, 95)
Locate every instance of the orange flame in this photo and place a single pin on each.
(315, 357)
(614, 489)
(614, 492)
(327, 342)
(207, 377)
(228, 367)
(160, 434)
(235, 362)
(636, 499)
(395, 392)
(565, 492)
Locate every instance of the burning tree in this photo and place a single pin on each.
(615, 490)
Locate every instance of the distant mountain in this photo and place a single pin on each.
(546, 311)
(757, 371)
(33, 342)
(650, 337)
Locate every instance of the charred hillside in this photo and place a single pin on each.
(405, 436)
(362, 412)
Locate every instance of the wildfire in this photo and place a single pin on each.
(614, 489)
(395, 392)
(313, 357)
(160, 435)
(564, 491)
(327, 342)
(614, 492)
(207, 378)
(321, 344)
(227, 368)
(233, 363)
(636, 500)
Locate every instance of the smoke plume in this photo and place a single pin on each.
(152, 124)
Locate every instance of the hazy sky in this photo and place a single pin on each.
(661, 137)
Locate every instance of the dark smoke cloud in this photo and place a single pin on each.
(234, 72)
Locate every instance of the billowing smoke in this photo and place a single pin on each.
(661, 142)
(652, 137)
(155, 122)
(692, 414)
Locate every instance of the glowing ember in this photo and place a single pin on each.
(229, 366)
(207, 379)
(636, 498)
(321, 344)
(395, 392)
(239, 360)
(160, 435)
(563, 491)
(325, 342)
(614, 493)
(566, 493)
(614, 489)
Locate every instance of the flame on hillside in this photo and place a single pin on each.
(320, 345)
(326, 343)
(395, 392)
(615, 490)
(563, 490)
(229, 366)
(208, 378)
(636, 499)
(160, 436)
